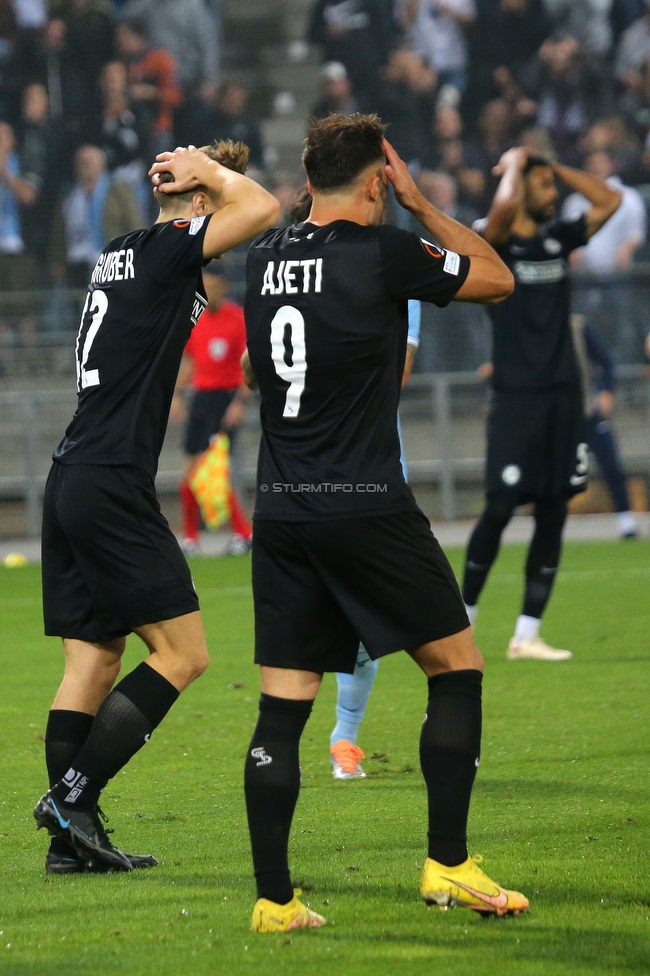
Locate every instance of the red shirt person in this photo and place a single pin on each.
(211, 367)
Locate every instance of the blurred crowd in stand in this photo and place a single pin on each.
(91, 90)
(461, 81)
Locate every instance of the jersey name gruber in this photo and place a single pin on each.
(114, 266)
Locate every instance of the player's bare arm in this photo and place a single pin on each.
(178, 410)
(249, 376)
(489, 280)
(509, 196)
(408, 363)
(234, 415)
(604, 201)
(241, 208)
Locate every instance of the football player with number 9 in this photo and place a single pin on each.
(341, 552)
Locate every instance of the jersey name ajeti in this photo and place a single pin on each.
(293, 277)
(113, 266)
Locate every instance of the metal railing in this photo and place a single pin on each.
(442, 413)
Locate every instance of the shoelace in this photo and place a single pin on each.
(103, 816)
(349, 756)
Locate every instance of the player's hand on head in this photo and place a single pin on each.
(398, 173)
(178, 171)
(515, 158)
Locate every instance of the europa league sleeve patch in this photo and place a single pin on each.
(432, 249)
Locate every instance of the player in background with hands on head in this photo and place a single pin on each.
(326, 322)
(537, 450)
(111, 565)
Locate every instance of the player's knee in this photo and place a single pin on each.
(110, 674)
(192, 663)
(200, 661)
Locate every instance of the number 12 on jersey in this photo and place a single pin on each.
(97, 305)
(288, 326)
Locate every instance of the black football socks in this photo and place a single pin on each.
(124, 722)
(544, 555)
(272, 784)
(450, 746)
(483, 547)
(65, 734)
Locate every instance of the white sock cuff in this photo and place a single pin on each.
(526, 628)
(626, 522)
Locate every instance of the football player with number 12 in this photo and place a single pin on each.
(111, 564)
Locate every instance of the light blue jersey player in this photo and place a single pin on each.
(354, 689)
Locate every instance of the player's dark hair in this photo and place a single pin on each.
(301, 206)
(339, 147)
(534, 161)
(232, 155)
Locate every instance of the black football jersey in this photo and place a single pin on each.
(532, 348)
(145, 295)
(326, 326)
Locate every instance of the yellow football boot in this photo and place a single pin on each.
(467, 886)
(270, 917)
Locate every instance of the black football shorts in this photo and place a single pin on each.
(320, 588)
(206, 413)
(110, 561)
(537, 445)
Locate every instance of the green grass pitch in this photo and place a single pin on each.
(560, 809)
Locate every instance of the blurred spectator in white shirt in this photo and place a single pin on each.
(610, 301)
(613, 246)
(30, 14)
(633, 50)
(589, 21)
(94, 212)
(437, 32)
(336, 92)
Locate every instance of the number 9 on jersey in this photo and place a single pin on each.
(288, 328)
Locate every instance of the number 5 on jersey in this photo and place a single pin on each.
(288, 327)
(97, 305)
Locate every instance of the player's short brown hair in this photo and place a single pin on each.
(232, 155)
(301, 206)
(339, 147)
